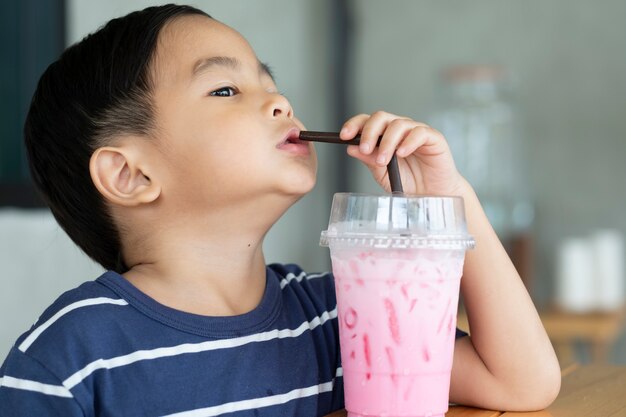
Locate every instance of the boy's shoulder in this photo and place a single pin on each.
(315, 292)
(81, 310)
(290, 274)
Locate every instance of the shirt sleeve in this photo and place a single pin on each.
(28, 389)
(460, 333)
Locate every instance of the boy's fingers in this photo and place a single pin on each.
(393, 129)
(395, 133)
(352, 126)
(367, 159)
(427, 138)
(373, 128)
(379, 173)
(416, 138)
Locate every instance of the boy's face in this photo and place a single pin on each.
(220, 120)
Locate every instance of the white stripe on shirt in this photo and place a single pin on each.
(83, 303)
(140, 355)
(290, 276)
(255, 403)
(28, 385)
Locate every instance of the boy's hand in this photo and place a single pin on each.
(424, 158)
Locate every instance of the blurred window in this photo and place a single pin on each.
(32, 35)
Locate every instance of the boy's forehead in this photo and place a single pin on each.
(187, 41)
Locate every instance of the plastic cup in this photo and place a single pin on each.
(397, 262)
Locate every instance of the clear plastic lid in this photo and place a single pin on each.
(397, 221)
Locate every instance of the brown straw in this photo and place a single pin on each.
(332, 137)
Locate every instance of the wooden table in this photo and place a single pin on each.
(597, 330)
(586, 391)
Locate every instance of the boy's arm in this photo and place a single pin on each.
(508, 362)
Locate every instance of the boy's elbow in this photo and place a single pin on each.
(549, 388)
(539, 391)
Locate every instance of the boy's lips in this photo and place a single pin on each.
(291, 143)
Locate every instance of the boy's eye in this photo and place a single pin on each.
(223, 92)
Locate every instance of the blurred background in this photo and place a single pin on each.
(530, 94)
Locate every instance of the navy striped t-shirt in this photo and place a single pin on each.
(106, 349)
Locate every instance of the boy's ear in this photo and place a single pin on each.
(122, 177)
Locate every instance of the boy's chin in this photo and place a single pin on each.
(298, 187)
(301, 191)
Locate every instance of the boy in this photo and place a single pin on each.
(165, 152)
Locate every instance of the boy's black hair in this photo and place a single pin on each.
(99, 88)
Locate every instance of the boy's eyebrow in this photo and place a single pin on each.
(204, 64)
(265, 69)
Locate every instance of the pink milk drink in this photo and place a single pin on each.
(397, 262)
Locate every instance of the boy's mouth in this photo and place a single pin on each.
(292, 136)
(293, 144)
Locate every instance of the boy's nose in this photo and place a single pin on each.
(279, 106)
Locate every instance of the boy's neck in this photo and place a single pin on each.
(212, 266)
(216, 284)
